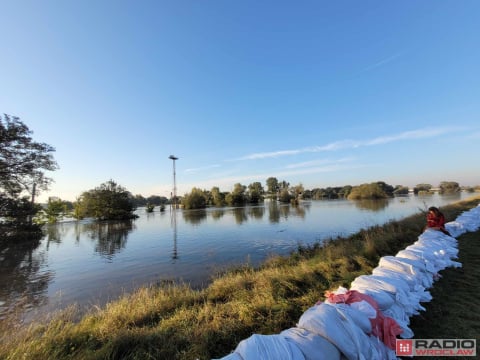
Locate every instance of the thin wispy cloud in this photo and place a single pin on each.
(474, 135)
(315, 163)
(409, 135)
(203, 168)
(312, 149)
(272, 154)
(337, 145)
(319, 169)
(352, 144)
(382, 62)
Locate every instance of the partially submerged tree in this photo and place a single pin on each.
(297, 194)
(272, 187)
(56, 209)
(422, 189)
(387, 188)
(23, 163)
(255, 192)
(237, 197)
(284, 196)
(447, 187)
(368, 191)
(401, 190)
(217, 197)
(196, 199)
(109, 201)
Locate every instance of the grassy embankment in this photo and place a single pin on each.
(176, 322)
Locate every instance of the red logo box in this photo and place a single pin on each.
(404, 347)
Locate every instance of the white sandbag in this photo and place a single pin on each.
(367, 350)
(419, 268)
(409, 300)
(313, 346)
(414, 285)
(388, 262)
(439, 263)
(397, 289)
(363, 305)
(366, 308)
(383, 352)
(443, 252)
(439, 242)
(358, 317)
(421, 253)
(469, 220)
(441, 246)
(337, 327)
(372, 282)
(411, 280)
(267, 347)
(382, 298)
(455, 228)
(402, 266)
(418, 264)
(397, 313)
(408, 254)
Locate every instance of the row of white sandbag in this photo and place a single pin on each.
(398, 285)
(468, 221)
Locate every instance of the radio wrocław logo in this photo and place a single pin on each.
(436, 347)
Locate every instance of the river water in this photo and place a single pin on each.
(90, 263)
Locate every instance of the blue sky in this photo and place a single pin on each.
(323, 93)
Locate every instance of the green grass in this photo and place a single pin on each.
(177, 322)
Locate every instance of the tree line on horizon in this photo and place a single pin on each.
(283, 192)
(111, 201)
(23, 163)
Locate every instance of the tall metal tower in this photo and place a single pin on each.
(174, 198)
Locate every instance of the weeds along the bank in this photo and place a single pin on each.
(177, 322)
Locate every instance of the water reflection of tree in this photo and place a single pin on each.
(240, 215)
(21, 282)
(276, 211)
(273, 212)
(55, 232)
(299, 211)
(284, 211)
(370, 204)
(217, 214)
(111, 236)
(451, 196)
(256, 212)
(194, 217)
(307, 205)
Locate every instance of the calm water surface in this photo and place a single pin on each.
(89, 263)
